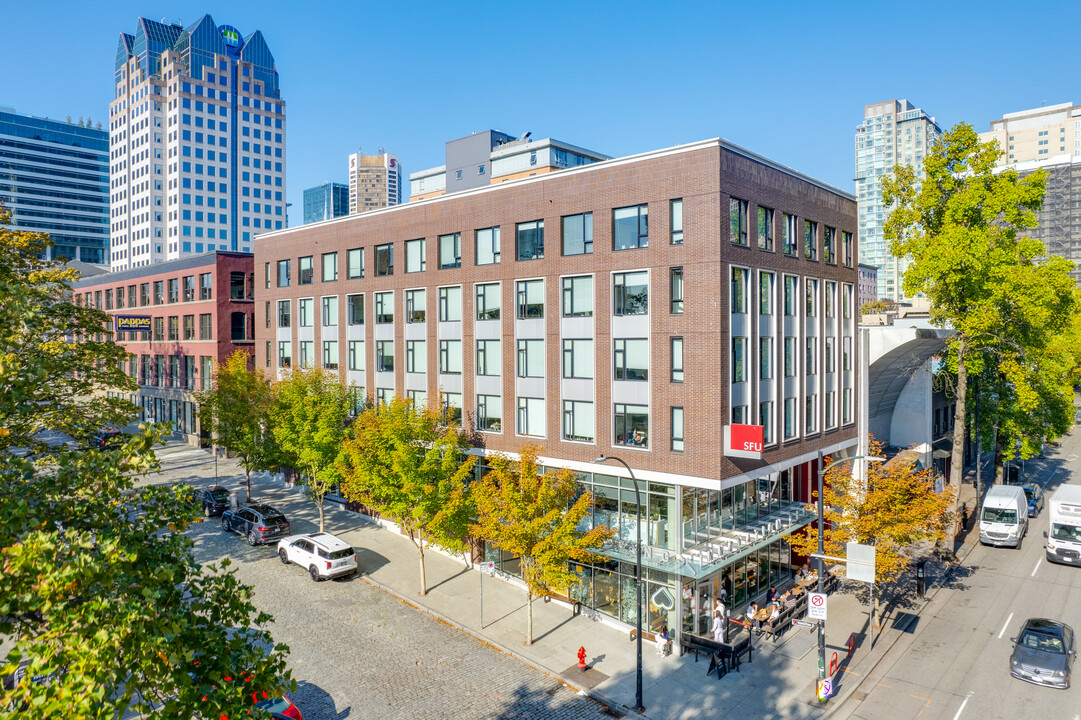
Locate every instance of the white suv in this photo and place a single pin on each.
(324, 555)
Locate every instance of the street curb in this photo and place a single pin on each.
(479, 637)
(967, 548)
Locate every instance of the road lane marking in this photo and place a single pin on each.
(963, 703)
(1004, 626)
(1036, 568)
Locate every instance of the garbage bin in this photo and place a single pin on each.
(921, 580)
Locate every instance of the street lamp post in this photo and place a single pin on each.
(822, 552)
(638, 707)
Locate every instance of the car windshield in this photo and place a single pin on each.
(220, 494)
(1030, 494)
(339, 554)
(1043, 642)
(275, 705)
(1065, 532)
(1000, 515)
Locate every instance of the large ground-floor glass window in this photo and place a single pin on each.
(741, 582)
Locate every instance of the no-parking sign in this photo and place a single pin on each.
(816, 606)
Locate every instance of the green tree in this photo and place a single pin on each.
(308, 420)
(961, 226)
(237, 412)
(99, 586)
(536, 518)
(405, 463)
(57, 356)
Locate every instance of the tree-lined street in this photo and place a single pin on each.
(958, 653)
(355, 651)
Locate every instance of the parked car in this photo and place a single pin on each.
(281, 708)
(104, 439)
(257, 522)
(1043, 652)
(214, 499)
(324, 555)
(1034, 495)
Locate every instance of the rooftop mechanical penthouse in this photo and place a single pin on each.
(639, 307)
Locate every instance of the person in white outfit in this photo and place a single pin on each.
(718, 627)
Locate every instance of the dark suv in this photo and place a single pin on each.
(213, 498)
(259, 523)
(106, 439)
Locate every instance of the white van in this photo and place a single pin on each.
(1004, 516)
(1064, 517)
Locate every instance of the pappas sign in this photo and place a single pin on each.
(136, 323)
(743, 441)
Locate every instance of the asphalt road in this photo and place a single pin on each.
(360, 653)
(955, 663)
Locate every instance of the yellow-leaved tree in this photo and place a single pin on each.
(536, 517)
(895, 509)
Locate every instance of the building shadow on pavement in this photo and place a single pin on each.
(316, 703)
(527, 703)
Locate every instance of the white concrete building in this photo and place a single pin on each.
(196, 143)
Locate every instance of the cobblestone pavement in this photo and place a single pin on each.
(358, 652)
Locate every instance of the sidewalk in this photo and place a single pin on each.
(779, 682)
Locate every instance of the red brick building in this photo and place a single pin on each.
(197, 310)
(639, 307)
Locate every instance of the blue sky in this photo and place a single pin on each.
(787, 80)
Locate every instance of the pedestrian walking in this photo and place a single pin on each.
(718, 627)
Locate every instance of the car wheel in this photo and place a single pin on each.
(253, 540)
(225, 524)
(284, 556)
(314, 573)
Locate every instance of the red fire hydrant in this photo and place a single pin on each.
(582, 658)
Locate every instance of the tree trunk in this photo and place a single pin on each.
(247, 474)
(957, 454)
(529, 616)
(322, 517)
(1000, 448)
(423, 570)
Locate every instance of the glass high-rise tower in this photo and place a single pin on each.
(197, 142)
(892, 133)
(326, 202)
(54, 178)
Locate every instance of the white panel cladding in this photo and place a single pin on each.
(453, 383)
(450, 331)
(353, 332)
(488, 330)
(632, 392)
(630, 326)
(575, 389)
(487, 385)
(417, 381)
(416, 331)
(579, 328)
(529, 329)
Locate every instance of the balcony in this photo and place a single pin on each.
(721, 547)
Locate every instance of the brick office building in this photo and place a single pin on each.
(552, 311)
(199, 311)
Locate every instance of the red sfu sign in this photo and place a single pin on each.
(743, 441)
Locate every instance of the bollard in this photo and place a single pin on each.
(582, 659)
(921, 581)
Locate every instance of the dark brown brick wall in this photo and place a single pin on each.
(704, 176)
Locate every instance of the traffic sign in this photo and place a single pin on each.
(825, 689)
(816, 606)
(488, 567)
(861, 562)
(802, 623)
